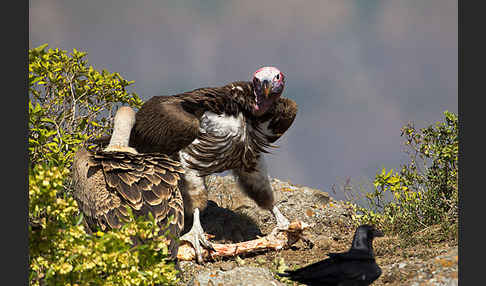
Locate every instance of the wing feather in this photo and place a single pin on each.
(112, 219)
(151, 198)
(117, 181)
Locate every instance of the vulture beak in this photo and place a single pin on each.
(268, 84)
(266, 87)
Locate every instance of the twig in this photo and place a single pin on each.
(277, 239)
(74, 103)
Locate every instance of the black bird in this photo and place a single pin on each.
(354, 267)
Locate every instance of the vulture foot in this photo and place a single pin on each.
(196, 237)
(282, 222)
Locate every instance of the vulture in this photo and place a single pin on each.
(354, 267)
(109, 181)
(215, 129)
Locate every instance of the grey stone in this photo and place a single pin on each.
(239, 276)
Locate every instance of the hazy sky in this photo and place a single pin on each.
(359, 70)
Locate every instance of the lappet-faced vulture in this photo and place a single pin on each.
(214, 129)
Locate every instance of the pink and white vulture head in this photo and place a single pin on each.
(268, 85)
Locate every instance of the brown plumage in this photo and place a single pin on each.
(214, 129)
(168, 124)
(107, 182)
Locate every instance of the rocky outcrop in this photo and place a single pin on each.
(232, 217)
(441, 270)
(240, 276)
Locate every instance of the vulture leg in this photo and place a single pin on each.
(195, 197)
(257, 186)
(282, 222)
(197, 237)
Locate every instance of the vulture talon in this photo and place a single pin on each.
(197, 238)
(282, 222)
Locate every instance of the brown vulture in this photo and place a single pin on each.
(108, 181)
(214, 129)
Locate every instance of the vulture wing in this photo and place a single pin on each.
(106, 183)
(168, 124)
(279, 118)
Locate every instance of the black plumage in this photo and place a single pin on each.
(354, 267)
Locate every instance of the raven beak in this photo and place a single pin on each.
(378, 233)
(266, 88)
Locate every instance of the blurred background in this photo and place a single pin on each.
(359, 70)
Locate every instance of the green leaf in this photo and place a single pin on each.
(80, 218)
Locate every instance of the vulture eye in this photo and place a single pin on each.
(278, 76)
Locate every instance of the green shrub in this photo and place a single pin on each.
(62, 253)
(424, 192)
(70, 102)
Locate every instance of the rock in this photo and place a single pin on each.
(232, 217)
(226, 266)
(240, 276)
(441, 270)
(322, 242)
(445, 269)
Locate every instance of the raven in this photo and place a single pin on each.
(354, 267)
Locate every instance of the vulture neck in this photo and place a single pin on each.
(123, 124)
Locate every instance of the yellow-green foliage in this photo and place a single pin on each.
(424, 192)
(69, 101)
(66, 101)
(62, 253)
